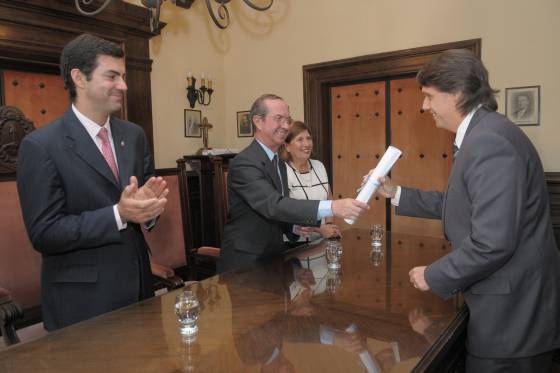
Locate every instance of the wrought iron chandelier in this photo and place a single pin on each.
(220, 16)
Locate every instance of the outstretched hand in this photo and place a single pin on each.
(348, 208)
(386, 187)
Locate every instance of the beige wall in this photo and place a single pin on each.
(265, 52)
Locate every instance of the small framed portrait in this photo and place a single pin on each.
(192, 123)
(244, 125)
(523, 105)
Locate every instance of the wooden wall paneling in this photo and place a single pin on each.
(358, 141)
(427, 152)
(41, 97)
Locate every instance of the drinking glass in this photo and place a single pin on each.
(334, 280)
(376, 256)
(377, 233)
(187, 308)
(333, 253)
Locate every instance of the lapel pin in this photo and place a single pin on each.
(122, 143)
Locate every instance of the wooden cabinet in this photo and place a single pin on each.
(207, 196)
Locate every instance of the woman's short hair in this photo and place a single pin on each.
(296, 128)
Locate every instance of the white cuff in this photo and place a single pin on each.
(120, 224)
(395, 200)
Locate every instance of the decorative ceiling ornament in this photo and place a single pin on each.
(220, 16)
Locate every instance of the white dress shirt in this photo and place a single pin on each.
(93, 129)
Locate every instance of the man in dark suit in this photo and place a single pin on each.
(259, 210)
(70, 179)
(495, 213)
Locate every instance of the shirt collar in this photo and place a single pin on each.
(462, 130)
(270, 154)
(91, 127)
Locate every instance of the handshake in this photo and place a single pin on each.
(375, 180)
(143, 204)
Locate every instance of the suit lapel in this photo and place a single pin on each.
(480, 113)
(267, 164)
(123, 150)
(79, 141)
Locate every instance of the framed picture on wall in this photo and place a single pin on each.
(192, 123)
(523, 105)
(244, 125)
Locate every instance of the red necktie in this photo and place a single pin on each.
(107, 151)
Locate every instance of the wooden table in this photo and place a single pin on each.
(290, 313)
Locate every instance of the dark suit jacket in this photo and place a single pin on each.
(258, 213)
(505, 260)
(67, 192)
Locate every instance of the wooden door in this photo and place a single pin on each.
(358, 141)
(366, 119)
(427, 155)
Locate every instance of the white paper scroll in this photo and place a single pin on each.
(387, 162)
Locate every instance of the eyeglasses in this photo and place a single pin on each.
(280, 119)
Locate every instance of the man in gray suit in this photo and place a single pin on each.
(85, 183)
(259, 210)
(495, 214)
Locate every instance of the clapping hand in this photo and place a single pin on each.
(142, 204)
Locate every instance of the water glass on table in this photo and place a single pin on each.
(377, 232)
(333, 252)
(187, 308)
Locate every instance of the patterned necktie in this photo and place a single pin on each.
(275, 165)
(455, 151)
(107, 151)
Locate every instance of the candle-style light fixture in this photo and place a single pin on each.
(203, 95)
(221, 19)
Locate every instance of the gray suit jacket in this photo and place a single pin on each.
(258, 213)
(496, 216)
(67, 192)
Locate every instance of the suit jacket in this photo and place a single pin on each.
(67, 192)
(258, 213)
(504, 259)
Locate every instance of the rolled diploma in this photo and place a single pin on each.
(365, 356)
(387, 162)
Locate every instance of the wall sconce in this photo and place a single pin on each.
(195, 95)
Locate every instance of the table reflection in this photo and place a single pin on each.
(288, 314)
(364, 316)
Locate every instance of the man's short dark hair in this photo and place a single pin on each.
(259, 107)
(81, 53)
(459, 70)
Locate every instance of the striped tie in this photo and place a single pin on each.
(275, 165)
(107, 151)
(455, 151)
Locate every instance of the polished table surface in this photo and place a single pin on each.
(292, 314)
